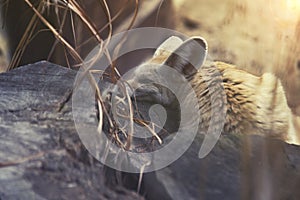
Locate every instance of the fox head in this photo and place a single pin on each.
(166, 79)
(173, 63)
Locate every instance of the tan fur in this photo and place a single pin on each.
(253, 104)
(288, 70)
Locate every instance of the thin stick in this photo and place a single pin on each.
(73, 52)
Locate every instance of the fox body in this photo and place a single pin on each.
(251, 104)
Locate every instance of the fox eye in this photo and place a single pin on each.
(298, 64)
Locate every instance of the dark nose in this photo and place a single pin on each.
(146, 90)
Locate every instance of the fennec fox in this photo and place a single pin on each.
(253, 105)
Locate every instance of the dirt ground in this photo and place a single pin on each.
(258, 36)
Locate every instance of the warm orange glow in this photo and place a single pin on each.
(285, 13)
(285, 8)
(293, 5)
(291, 9)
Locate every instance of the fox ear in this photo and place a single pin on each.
(168, 46)
(189, 56)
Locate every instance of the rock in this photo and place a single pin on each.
(239, 167)
(41, 155)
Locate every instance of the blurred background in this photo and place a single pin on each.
(258, 36)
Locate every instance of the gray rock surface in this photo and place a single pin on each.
(239, 167)
(41, 156)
